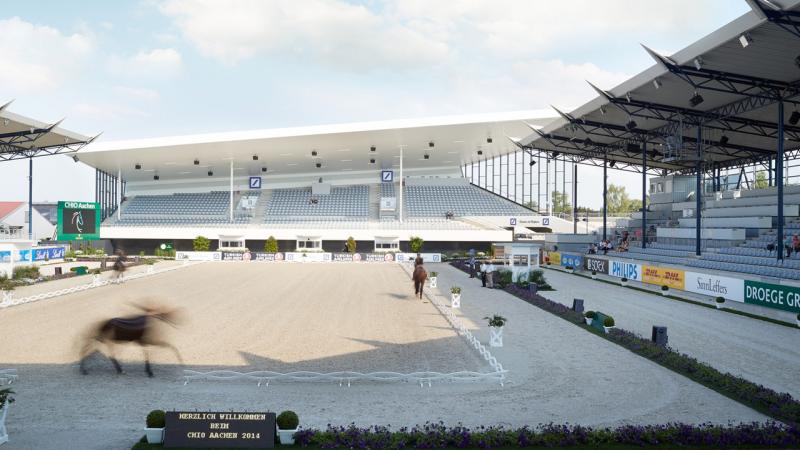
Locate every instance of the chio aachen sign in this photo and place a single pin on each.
(78, 221)
(219, 429)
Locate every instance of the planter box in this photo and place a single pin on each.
(623, 283)
(665, 293)
(455, 300)
(154, 435)
(588, 321)
(496, 336)
(607, 329)
(286, 436)
(719, 305)
(570, 271)
(594, 277)
(433, 281)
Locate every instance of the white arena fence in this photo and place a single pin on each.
(8, 299)
(264, 377)
(300, 257)
(7, 376)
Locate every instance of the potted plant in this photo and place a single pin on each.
(433, 278)
(6, 399)
(589, 316)
(719, 301)
(455, 297)
(155, 426)
(569, 269)
(287, 422)
(623, 281)
(496, 324)
(594, 274)
(608, 323)
(665, 290)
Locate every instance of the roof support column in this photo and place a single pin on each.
(644, 193)
(30, 200)
(231, 192)
(119, 194)
(779, 180)
(605, 195)
(769, 170)
(400, 202)
(698, 195)
(574, 198)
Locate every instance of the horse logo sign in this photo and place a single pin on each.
(77, 221)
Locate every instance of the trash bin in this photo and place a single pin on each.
(58, 270)
(659, 336)
(577, 305)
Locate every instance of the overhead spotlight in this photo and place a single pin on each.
(318, 165)
(196, 162)
(313, 153)
(320, 179)
(430, 144)
(794, 118)
(631, 125)
(612, 164)
(723, 140)
(155, 177)
(602, 110)
(372, 148)
(255, 157)
(588, 141)
(138, 167)
(657, 83)
(426, 156)
(555, 154)
(745, 40)
(75, 158)
(488, 140)
(372, 160)
(632, 147)
(480, 152)
(696, 99)
(210, 173)
(698, 63)
(263, 169)
(628, 96)
(532, 163)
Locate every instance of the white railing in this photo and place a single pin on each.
(8, 299)
(9, 234)
(498, 373)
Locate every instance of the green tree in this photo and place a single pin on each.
(761, 180)
(532, 205)
(561, 203)
(416, 244)
(618, 201)
(201, 244)
(271, 245)
(351, 245)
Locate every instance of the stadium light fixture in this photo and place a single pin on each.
(430, 144)
(488, 140)
(480, 152)
(372, 161)
(155, 177)
(210, 173)
(696, 99)
(372, 148)
(138, 166)
(602, 110)
(745, 40)
(612, 164)
(532, 163)
(631, 125)
(196, 162)
(255, 157)
(698, 63)
(313, 153)
(320, 179)
(657, 83)
(794, 118)
(555, 154)
(723, 140)
(318, 165)
(426, 156)
(263, 169)
(75, 158)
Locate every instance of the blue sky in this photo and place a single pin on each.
(134, 69)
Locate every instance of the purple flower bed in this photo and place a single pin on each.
(437, 435)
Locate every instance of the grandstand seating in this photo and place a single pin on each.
(205, 204)
(343, 202)
(462, 200)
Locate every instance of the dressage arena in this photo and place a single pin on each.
(361, 317)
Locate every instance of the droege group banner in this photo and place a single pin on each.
(771, 295)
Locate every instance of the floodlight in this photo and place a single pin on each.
(631, 125)
(138, 167)
(480, 152)
(612, 164)
(657, 83)
(430, 144)
(196, 162)
(745, 40)
(318, 165)
(210, 173)
(372, 161)
(320, 179)
(794, 118)
(696, 99)
(255, 157)
(488, 140)
(313, 153)
(426, 156)
(263, 169)
(155, 177)
(532, 163)
(75, 158)
(723, 140)
(372, 149)
(698, 63)
(555, 154)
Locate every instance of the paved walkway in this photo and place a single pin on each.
(759, 351)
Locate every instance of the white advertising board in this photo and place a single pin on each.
(426, 257)
(715, 285)
(623, 269)
(198, 256)
(308, 257)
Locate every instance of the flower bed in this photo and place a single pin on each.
(780, 406)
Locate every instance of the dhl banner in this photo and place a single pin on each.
(663, 276)
(555, 258)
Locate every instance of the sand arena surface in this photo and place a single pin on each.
(325, 317)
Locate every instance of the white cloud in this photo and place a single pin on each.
(332, 32)
(106, 111)
(37, 57)
(138, 94)
(158, 63)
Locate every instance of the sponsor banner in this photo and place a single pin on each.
(715, 285)
(236, 256)
(48, 253)
(426, 257)
(308, 257)
(198, 256)
(596, 264)
(378, 257)
(663, 276)
(622, 269)
(266, 257)
(554, 258)
(770, 295)
(574, 261)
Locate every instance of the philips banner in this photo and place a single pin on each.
(78, 221)
(621, 269)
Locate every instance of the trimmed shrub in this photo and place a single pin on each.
(351, 245)
(665, 288)
(201, 244)
(590, 315)
(496, 320)
(271, 245)
(21, 272)
(455, 290)
(415, 243)
(287, 420)
(156, 419)
(6, 396)
(608, 321)
(720, 299)
(504, 278)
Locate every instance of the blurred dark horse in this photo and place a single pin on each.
(419, 277)
(139, 329)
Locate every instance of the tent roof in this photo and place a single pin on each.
(23, 137)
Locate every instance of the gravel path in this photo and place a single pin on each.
(249, 316)
(759, 351)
